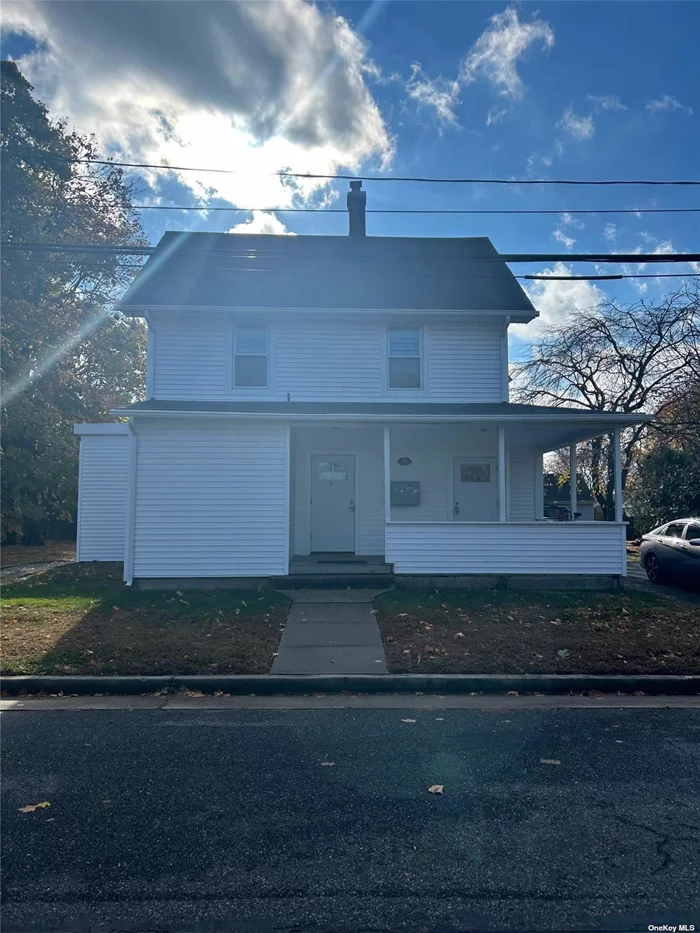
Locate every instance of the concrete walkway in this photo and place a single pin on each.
(331, 632)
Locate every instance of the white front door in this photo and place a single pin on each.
(332, 502)
(475, 489)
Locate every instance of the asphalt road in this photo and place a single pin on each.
(229, 820)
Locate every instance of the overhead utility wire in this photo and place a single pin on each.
(253, 253)
(443, 181)
(382, 210)
(558, 278)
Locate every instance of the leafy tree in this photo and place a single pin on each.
(665, 483)
(616, 358)
(67, 355)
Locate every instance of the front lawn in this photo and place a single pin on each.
(501, 632)
(81, 619)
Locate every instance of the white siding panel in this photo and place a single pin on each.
(522, 488)
(102, 496)
(328, 360)
(368, 447)
(211, 500)
(538, 548)
(191, 359)
(465, 363)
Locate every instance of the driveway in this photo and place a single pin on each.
(251, 821)
(636, 577)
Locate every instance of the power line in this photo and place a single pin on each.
(443, 181)
(255, 253)
(537, 277)
(342, 210)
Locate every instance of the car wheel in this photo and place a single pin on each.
(653, 568)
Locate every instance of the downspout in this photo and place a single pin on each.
(505, 377)
(130, 523)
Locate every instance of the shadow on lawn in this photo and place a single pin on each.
(83, 620)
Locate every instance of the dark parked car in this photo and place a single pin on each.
(672, 550)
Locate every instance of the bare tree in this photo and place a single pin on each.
(617, 358)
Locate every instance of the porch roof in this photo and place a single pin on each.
(539, 426)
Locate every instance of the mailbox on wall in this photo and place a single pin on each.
(405, 493)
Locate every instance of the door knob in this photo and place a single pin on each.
(352, 505)
(456, 508)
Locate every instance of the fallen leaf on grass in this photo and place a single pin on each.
(439, 719)
(408, 720)
(328, 764)
(31, 807)
(549, 761)
(512, 693)
(563, 653)
(436, 789)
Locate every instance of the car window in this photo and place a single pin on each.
(692, 531)
(675, 530)
(658, 531)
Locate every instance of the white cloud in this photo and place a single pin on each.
(566, 241)
(495, 115)
(610, 232)
(606, 102)
(496, 53)
(578, 127)
(666, 102)
(257, 87)
(569, 220)
(557, 300)
(439, 93)
(537, 163)
(262, 222)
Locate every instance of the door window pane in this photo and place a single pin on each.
(475, 472)
(404, 341)
(692, 531)
(251, 341)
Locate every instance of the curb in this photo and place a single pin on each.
(270, 684)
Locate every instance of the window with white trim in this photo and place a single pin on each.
(404, 363)
(250, 356)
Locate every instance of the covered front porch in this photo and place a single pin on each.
(430, 498)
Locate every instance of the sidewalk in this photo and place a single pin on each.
(331, 632)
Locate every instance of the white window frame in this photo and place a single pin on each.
(268, 356)
(423, 356)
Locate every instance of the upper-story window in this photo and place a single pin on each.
(250, 356)
(404, 358)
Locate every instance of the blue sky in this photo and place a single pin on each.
(577, 90)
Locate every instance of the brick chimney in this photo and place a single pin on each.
(357, 200)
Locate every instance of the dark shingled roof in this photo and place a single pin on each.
(225, 270)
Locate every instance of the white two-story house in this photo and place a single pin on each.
(344, 397)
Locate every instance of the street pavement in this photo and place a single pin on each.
(320, 820)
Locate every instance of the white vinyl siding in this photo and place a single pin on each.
(211, 499)
(367, 446)
(465, 363)
(317, 358)
(102, 494)
(522, 487)
(536, 548)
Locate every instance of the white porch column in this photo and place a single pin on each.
(501, 474)
(572, 479)
(387, 475)
(618, 476)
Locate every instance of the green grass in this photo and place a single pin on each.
(82, 619)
